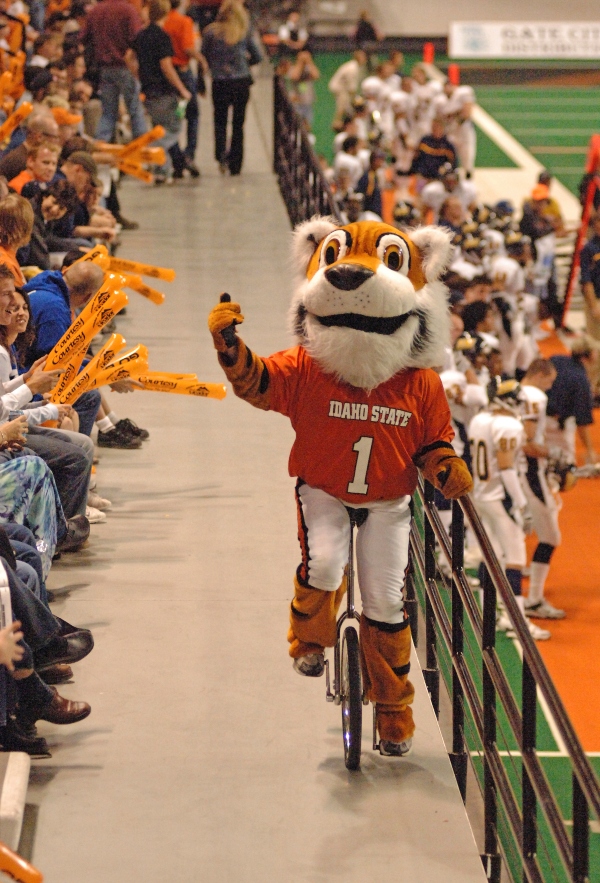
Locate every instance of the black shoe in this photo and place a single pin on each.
(64, 650)
(67, 629)
(127, 225)
(115, 439)
(78, 530)
(192, 167)
(128, 427)
(178, 174)
(12, 738)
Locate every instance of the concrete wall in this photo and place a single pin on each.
(426, 18)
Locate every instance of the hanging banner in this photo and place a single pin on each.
(524, 39)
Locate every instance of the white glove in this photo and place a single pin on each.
(523, 518)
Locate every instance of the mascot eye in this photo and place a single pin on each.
(334, 248)
(393, 252)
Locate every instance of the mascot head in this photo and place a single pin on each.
(368, 300)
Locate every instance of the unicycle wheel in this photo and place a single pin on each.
(351, 695)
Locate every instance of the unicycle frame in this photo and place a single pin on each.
(335, 695)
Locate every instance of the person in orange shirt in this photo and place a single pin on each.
(185, 40)
(42, 160)
(16, 224)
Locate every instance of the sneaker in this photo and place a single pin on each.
(503, 623)
(128, 427)
(115, 439)
(394, 749)
(98, 502)
(543, 610)
(94, 516)
(537, 633)
(192, 168)
(311, 666)
(78, 531)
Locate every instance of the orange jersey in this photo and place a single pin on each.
(180, 29)
(22, 178)
(355, 445)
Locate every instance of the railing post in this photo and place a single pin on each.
(411, 603)
(491, 856)
(431, 674)
(581, 835)
(458, 756)
(528, 737)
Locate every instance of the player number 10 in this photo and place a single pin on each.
(362, 447)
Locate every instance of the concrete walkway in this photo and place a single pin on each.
(206, 758)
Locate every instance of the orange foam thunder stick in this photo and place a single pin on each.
(96, 255)
(85, 327)
(15, 119)
(120, 265)
(97, 372)
(135, 169)
(113, 345)
(17, 868)
(138, 284)
(143, 141)
(163, 382)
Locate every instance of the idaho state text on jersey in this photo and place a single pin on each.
(374, 413)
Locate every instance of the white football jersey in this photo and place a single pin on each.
(535, 402)
(488, 434)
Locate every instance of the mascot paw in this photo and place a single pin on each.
(222, 320)
(445, 470)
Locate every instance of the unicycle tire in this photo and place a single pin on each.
(351, 698)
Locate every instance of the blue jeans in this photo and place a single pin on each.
(87, 406)
(163, 112)
(192, 113)
(114, 82)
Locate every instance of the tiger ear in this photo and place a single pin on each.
(435, 246)
(307, 237)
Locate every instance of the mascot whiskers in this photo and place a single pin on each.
(371, 320)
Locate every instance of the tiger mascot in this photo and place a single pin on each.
(371, 319)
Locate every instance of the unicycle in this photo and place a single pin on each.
(347, 676)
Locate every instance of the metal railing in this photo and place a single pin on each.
(524, 818)
(303, 186)
(495, 722)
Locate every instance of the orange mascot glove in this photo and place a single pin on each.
(222, 320)
(445, 470)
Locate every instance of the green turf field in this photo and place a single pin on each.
(555, 124)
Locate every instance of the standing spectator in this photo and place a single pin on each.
(367, 35)
(345, 83)
(180, 29)
(203, 12)
(162, 87)
(230, 52)
(570, 400)
(590, 283)
(301, 76)
(110, 30)
(292, 36)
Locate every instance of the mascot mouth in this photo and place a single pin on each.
(370, 324)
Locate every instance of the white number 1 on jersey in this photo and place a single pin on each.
(362, 447)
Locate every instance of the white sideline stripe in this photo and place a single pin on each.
(517, 753)
(539, 132)
(594, 825)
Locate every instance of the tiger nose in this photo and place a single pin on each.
(348, 277)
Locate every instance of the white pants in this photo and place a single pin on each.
(506, 537)
(381, 549)
(544, 512)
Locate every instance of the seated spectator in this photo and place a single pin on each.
(49, 206)
(41, 163)
(47, 48)
(81, 171)
(16, 225)
(39, 126)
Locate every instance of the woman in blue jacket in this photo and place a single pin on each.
(230, 52)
